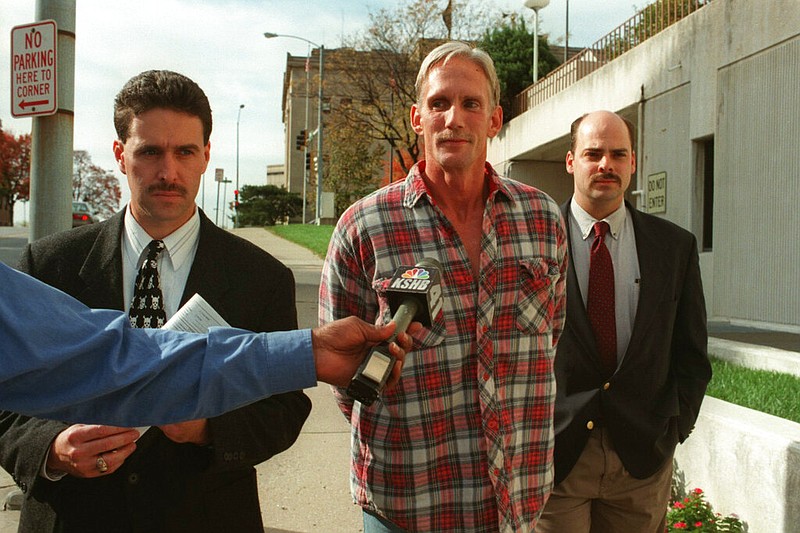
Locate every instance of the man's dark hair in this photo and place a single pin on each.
(160, 89)
(573, 131)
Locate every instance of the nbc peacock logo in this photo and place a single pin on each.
(416, 273)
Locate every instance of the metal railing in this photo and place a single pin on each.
(648, 22)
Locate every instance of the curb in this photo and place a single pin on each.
(755, 356)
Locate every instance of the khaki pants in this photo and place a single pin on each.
(600, 496)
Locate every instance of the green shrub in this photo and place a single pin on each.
(266, 205)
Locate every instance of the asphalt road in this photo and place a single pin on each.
(12, 241)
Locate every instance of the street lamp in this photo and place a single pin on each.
(236, 195)
(306, 155)
(566, 35)
(536, 5)
(321, 48)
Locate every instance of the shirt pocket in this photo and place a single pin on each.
(536, 295)
(427, 336)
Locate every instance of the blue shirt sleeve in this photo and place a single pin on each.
(60, 359)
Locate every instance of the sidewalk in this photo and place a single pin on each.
(287, 252)
(306, 488)
(751, 335)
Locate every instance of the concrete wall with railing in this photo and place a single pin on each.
(691, 51)
(723, 79)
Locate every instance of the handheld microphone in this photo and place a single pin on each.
(414, 292)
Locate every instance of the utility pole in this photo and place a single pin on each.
(319, 137)
(566, 36)
(536, 5)
(236, 194)
(52, 136)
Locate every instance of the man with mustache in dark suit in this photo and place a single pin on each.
(631, 366)
(195, 475)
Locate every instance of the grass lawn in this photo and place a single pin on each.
(769, 392)
(315, 238)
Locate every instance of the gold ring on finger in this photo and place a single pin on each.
(102, 465)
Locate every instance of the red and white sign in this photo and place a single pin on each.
(33, 69)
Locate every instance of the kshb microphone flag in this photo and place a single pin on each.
(414, 293)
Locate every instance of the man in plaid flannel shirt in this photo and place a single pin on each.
(464, 442)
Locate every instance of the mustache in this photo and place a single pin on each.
(445, 137)
(605, 176)
(167, 187)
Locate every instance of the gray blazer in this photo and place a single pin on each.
(163, 486)
(652, 401)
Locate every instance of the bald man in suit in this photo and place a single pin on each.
(629, 389)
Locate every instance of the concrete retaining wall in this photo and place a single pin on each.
(748, 463)
(756, 357)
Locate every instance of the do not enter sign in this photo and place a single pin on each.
(33, 69)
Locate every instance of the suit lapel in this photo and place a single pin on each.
(649, 252)
(207, 276)
(101, 271)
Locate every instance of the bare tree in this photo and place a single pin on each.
(353, 162)
(92, 184)
(377, 70)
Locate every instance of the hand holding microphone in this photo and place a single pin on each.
(414, 293)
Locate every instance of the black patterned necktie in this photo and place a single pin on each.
(600, 304)
(147, 306)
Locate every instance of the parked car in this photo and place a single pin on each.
(82, 214)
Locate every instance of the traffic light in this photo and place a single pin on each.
(300, 141)
(236, 198)
(308, 160)
(316, 166)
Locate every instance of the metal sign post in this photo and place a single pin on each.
(219, 177)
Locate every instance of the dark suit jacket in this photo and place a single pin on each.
(163, 486)
(652, 401)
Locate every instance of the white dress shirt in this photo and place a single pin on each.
(174, 263)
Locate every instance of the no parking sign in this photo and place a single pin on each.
(33, 69)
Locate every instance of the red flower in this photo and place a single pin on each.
(698, 491)
(680, 525)
(698, 524)
(678, 505)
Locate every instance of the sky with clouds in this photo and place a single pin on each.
(220, 44)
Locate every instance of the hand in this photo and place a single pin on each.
(404, 343)
(76, 449)
(341, 345)
(192, 431)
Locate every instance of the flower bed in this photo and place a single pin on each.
(694, 513)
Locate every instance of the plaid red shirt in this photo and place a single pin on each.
(465, 440)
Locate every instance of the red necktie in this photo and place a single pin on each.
(600, 305)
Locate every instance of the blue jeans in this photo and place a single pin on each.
(374, 523)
